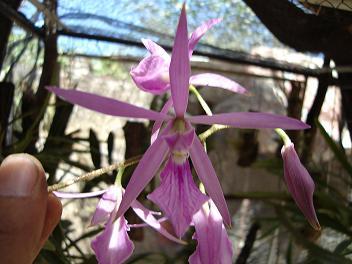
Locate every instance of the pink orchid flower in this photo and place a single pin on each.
(214, 245)
(113, 245)
(299, 183)
(179, 126)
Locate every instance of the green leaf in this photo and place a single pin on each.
(289, 253)
(340, 248)
(85, 235)
(269, 231)
(111, 139)
(336, 149)
(94, 149)
(53, 257)
(315, 251)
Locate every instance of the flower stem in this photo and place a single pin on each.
(118, 179)
(200, 99)
(207, 133)
(94, 174)
(285, 138)
(206, 108)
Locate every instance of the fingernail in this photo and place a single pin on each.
(19, 175)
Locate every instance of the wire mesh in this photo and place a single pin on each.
(345, 5)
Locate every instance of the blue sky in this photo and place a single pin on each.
(240, 29)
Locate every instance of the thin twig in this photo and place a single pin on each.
(94, 174)
(207, 110)
(48, 14)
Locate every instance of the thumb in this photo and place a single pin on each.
(27, 213)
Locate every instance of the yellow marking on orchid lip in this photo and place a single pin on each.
(180, 153)
(179, 125)
(179, 156)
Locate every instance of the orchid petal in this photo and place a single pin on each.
(157, 125)
(216, 80)
(113, 246)
(214, 245)
(250, 120)
(199, 32)
(108, 202)
(152, 75)
(155, 49)
(180, 67)
(207, 175)
(149, 219)
(70, 195)
(180, 141)
(300, 184)
(145, 171)
(178, 196)
(106, 105)
(160, 220)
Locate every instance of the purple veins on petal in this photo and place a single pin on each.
(250, 120)
(106, 105)
(214, 245)
(147, 216)
(299, 183)
(113, 246)
(178, 196)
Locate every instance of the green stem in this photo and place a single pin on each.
(200, 99)
(285, 138)
(206, 108)
(207, 133)
(118, 179)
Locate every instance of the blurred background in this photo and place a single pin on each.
(295, 58)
